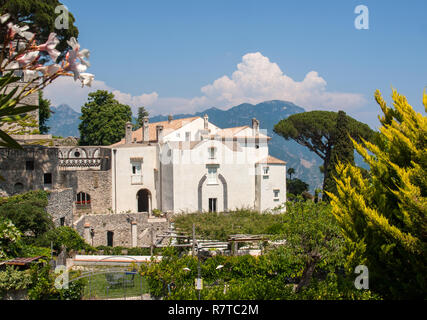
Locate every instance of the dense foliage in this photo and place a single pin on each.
(103, 119)
(43, 285)
(44, 113)
(268, 277)
(383, 215)
(342, 151)
(296, 186)
(317, 130)
(28, 212)
(13, 279)
(309, 266)
(63, 236)
(9, 237)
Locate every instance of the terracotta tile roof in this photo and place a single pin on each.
(230, 131)
(168, 127)
(272, 160)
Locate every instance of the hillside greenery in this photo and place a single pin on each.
(219, 226)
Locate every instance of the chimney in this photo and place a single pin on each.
(255, 125)
(128, 135)
(145, 130)
(159, 131)
(206, 119)
(170, 118)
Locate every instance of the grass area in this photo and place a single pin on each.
(128, 285)
(219, 226)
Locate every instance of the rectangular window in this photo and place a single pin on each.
(136, 177)
(187, 136)
(212, 175)
(276, 193)
(212, 204)
(47, 178)
(62, 222)
(266, 170)
(212, 153)
(136, 168)
(29, 165)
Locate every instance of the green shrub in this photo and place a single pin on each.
(63, 236)
(12, 279)
(28, 212)
(43, 285)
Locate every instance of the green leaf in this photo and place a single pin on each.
(9, 142)
(17, 110)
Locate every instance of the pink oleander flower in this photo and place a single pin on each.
(28, 58)
(81, 55)
(72, 64)
(29, 75)
(50, 70)
(4, 18)
(50, 46)
(21, 31)
(86, 79)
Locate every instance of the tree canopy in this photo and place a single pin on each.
(383, 215)
(103, 119)
(44, 113)
(40, 16)
(317, 130)
(141, 114)
(343, 152)
(296, 186)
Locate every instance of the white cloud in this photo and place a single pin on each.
(256, 79)
(65, 90)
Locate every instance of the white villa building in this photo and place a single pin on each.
(190, 165)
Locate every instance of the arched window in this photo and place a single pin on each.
(83, 200)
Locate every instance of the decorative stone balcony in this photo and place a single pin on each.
(80, 163)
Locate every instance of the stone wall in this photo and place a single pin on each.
(60, 205)
(95, 183)
(24, 170)
(121, 226)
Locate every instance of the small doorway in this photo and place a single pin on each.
(212, 204)
(143, 197)
(110, 238)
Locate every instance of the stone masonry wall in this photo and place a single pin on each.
(95, 183)
(60, 205)
(121, 226)
(19, 177)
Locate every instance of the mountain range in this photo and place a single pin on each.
(64, 122)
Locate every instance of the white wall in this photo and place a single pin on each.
(237, 168)
(194, 127)
(126, 191)
(266, 184)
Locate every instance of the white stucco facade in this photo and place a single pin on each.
(190, 165)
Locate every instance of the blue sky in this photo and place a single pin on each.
(162, 53)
